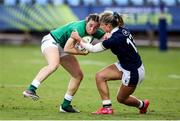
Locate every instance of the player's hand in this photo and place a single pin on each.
(76, 36)
(106, 36)
(85, 52)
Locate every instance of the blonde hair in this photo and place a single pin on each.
(111, 17)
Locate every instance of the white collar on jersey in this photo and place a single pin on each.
(114, 30)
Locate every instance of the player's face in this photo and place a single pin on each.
(91, 27)
(106, 27)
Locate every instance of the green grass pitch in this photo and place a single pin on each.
(19, 65)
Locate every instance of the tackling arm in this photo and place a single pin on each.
(70, 48)
(92, 48)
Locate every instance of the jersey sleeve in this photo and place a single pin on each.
(109, 43)
(99, 34)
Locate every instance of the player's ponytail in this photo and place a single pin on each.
(111, 17)
(118, 18)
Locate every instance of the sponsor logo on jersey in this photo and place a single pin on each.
(125, 32)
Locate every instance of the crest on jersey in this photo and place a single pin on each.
(125, 32)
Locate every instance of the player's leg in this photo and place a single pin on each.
(130, 80)
(71, 65)
(51, 54)
(124, 96)
(106, 74)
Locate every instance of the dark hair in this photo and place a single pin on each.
(111, 17)
(93, 17)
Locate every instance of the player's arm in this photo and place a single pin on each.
(70, 48)
(93, 48)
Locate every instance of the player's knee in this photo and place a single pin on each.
(79, 75)
(120, 99)
(53, 66)
(99, 77)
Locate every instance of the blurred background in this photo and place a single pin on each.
(154, 24)
(27, 21)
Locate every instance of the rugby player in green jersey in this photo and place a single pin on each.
(52, 48)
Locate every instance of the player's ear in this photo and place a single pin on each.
(109, 26)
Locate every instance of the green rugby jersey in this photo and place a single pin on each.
(63, 33)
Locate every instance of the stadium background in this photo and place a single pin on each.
(37, 17)
(23, 23)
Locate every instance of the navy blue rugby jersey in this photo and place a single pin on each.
(122, 45)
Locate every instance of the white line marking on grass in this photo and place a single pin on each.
(84, 87)
(35, 61)
(143, 88)
(11, 85)
(31, 61)
(92, 62)
(83, 62)
(174, 76)
(160, 88)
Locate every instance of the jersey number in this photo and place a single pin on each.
(129, 41)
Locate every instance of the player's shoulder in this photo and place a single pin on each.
(77, 24)
(124, 31)
(121, 33)
(81, 22)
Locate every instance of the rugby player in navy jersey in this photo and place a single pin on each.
(129, 67)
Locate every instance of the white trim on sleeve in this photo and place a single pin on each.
(93, 48)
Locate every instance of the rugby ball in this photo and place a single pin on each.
(87, 39)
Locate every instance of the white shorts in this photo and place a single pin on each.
(131, 78)
(48, 41)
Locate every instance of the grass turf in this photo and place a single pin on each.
(19, 65)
